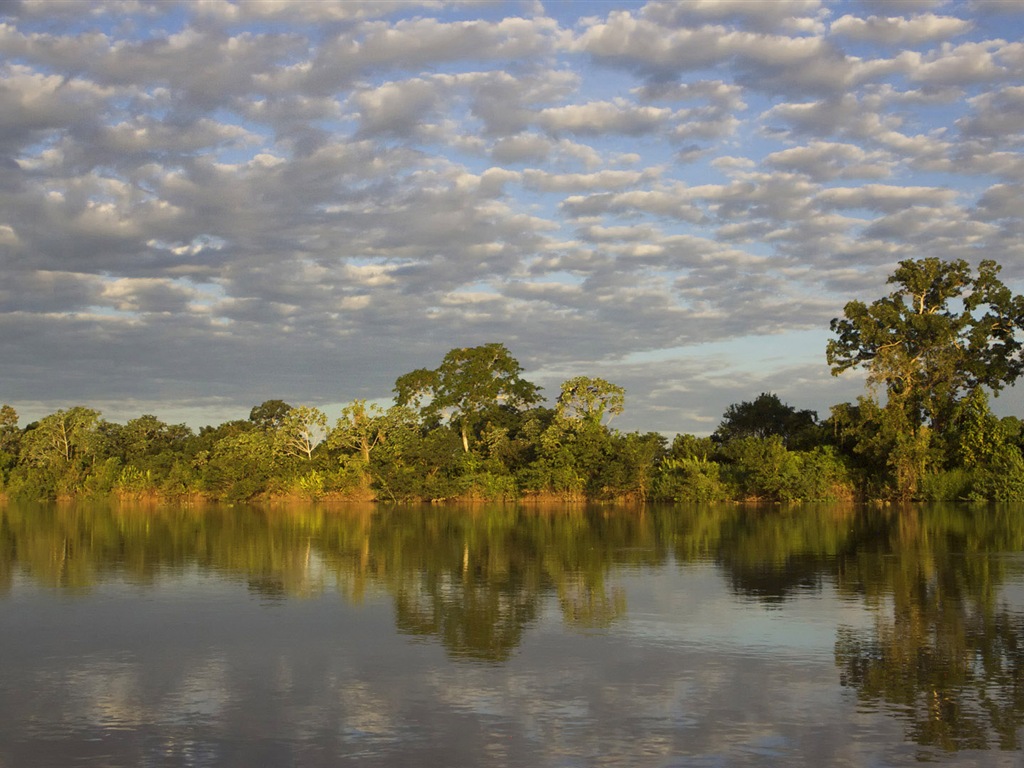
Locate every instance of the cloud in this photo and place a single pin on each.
(824, 161)
(602, 117)
(242, 200)
(923, 28)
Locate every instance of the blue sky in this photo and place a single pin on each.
(206, 205)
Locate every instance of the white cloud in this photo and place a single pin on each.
(602, 117)
(824, 161)
(898, 30)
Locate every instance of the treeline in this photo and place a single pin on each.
(497, 448)
(473, 428)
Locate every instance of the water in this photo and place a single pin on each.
(815, 636)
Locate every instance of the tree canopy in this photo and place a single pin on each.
(767, 415)
(940, 334)
(469, 382)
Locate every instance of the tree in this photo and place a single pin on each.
(62, 437)
(469, 382)
(362, 428)
(270, 414)
(301, 430)
(942, 333)
(766, 416)
(589, 400)
(10, 435)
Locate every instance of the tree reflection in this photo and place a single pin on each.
(473, 579)
(944, 653)
(772, 554)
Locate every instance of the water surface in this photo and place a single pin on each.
(506, 636)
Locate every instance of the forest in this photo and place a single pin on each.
(473, 428)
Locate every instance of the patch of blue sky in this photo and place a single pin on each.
(206, 294)
(560, 277)
(754, 353)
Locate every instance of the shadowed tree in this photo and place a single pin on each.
(270, 414)
(766, 416)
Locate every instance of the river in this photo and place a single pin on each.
(511, 636)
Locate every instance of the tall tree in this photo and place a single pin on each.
(10, 435)
(270, 414)
(469, 382)
(62, 437)
(942, 333)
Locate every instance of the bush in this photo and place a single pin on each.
(689, 480)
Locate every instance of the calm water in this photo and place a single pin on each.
(817, 636)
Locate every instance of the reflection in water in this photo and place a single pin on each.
(944, 653)
(603, 627)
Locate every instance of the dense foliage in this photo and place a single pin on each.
(473, 429)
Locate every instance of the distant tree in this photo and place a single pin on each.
(360, 428)
(469, 382)
(10, 435)
(62, 436)
(270, 414)
(767, 415)
(590, 400)
(301, 430)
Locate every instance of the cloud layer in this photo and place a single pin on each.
(205, 205)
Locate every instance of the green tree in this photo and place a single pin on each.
(240, 466)
(62, 437)
(590, 400)
(300, 431)
(10, 441)
(360, 429)
(58, 451)
(767, 415)
(10, 435)
(469, 382)
(942, 333)
(270, 414)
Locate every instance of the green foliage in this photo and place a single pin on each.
(298, 433)
(686, 446)
(689, 479)
(10, 435)
(762, 468)
(312, 484)
(941, 334)
(949, 485)
(590, 400)
(133, 481)
(469, 383)
(269, 415)
(767, 415)
(240, 467)
(1002, 478)
(934, 438)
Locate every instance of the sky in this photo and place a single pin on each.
(209, 204)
